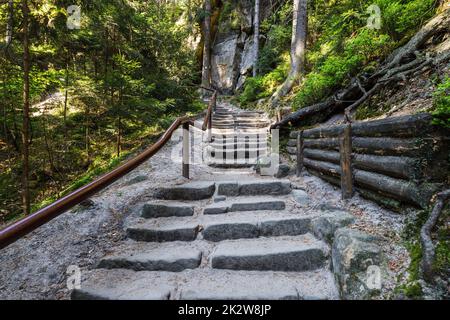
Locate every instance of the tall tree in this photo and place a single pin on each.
(206, 69)
(9, 25)
(298, 50)
(256, 38)
(26, 110)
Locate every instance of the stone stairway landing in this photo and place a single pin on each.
(240, 239)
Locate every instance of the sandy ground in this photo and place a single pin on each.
(35, 266)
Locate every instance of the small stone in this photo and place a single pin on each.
(301, 197)
(220, 198)
(87, 204)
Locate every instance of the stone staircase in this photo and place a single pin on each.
(239, 137)
(244, 239)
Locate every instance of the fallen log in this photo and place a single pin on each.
(398, 189)
(324, 132)
(326, 143)
(387, 146)
(333, 180)
(323, 167)
(292, 143)
(405, 126)
(291, 150)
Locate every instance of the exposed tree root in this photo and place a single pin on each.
(428, 247)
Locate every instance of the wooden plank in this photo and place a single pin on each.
(346, 163)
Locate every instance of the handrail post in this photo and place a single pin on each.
(210, 127)
(185, 150)
(299, 153)
(346, 162)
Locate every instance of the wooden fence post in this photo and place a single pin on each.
(346, 162)
(299, 153)
(210, 128)
(185, 150)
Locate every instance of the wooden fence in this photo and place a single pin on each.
(392, 161)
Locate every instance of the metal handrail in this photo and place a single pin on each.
(31, 222)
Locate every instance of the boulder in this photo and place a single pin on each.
(225, 59)
(325, 225)
(356, 262)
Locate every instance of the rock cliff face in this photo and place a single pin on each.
(232, 54)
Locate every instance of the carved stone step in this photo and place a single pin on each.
(300, 253)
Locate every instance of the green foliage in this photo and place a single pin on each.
(263, 86)
(340, 44)
(400, 18)
(441, 104)
(128, 72)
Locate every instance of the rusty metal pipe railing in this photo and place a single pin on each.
(33, 221)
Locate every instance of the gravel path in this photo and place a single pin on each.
(35, 266)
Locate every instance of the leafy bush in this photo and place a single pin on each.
(403, 17)
(441, 105)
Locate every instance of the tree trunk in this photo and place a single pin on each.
(26, 111)
(119, 124)
(298, 50)
(206, 70)
(66, 95)
(9, 26)
(256, 38)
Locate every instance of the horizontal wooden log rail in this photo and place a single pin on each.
(31, 222)
(401, 158)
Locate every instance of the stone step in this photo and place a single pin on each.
(247, 163)
(245, 204)
(166, 209)
(152, 257)
(254, 188)
(163, 230)
(301, 253)
(239, 122)
(238, 126)
(218, 227)
(218, 139)
(241, 136)
(205, 284)
(236, 153)
(233, 145)
(197, 190)
(253, 225)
